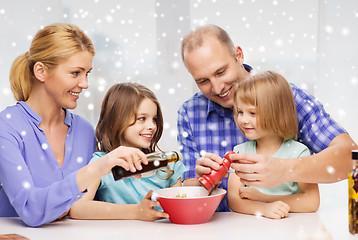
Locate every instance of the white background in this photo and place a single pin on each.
(313, 43)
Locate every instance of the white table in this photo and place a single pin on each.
(222, 225)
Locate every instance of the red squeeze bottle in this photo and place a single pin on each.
(212, 180)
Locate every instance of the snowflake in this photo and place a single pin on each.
(202, 153)
(330, 169)
(329, 29)
(345, 31)
(258, 214)
(173, 132)
(156, 163)
(79, 159)
(26, 185)
(90, 106)
(171, 90)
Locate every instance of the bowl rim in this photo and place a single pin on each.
(220, 193)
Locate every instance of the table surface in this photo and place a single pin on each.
(238, 226)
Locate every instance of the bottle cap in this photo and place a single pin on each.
(355, 154)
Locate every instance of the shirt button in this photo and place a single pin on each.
(78, 195)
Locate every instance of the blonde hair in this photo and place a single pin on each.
(273, 99)
(196, 39)
(51, 46)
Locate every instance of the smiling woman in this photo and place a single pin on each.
(65, 82)
(45, 148)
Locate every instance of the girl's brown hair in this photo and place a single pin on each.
(118, 112)
(273, 99)
(52, 45)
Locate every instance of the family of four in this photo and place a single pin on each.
(53, 163)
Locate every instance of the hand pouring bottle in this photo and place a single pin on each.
(156, 160)
(212, 180)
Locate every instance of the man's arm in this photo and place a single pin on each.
(330, 165)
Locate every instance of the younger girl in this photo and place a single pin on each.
(130, 117)
(265, 112)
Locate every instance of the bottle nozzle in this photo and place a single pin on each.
(180, 156)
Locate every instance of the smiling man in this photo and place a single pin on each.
(207, 130)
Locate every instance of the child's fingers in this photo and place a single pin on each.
(150, 207)
(148, 195)
(243, 194)
(138, 158)
(162, 214)
(148, 200)
(136, 161)
(123, 163)
(282, 209)
(285, 206)
(132, 156)
(279, 212)
(142, 157)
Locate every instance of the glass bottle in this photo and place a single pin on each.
(212, 180)
(353, 195)
(156, 160)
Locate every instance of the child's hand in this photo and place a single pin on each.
(146, 209)
(276, 210)
(127, 157)
(251, 194)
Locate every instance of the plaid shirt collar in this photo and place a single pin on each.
(223, 112)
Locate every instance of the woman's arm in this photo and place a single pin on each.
(126, 157)
(37, 194)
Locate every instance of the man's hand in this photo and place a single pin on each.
(260, 170)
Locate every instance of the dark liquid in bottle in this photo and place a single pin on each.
(353, 213)
(353, 201)
(119, 172)
(353, 194)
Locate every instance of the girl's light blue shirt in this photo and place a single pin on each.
(131, 190)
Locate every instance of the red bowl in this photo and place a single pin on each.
(189, 205)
